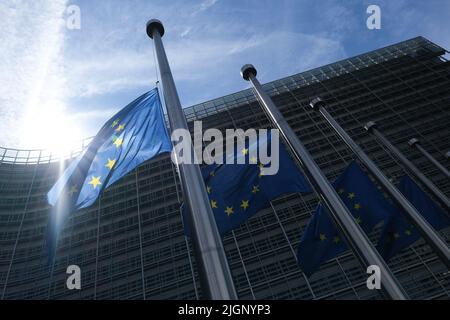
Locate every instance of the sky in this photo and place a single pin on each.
(59, 84)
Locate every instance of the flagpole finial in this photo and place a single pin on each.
(316, 103)
(412, 142)
(370, 125)
(153, 24)
(247, 70)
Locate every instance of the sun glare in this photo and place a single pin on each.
(50, 128)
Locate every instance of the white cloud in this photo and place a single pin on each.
(113, 56)
(186, 32)
(199, 60)
(109, 71)
(206, 4)
(32, 78)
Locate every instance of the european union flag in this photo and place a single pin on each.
(238, 191)
(398, 233)
(135, 134)
(321, 241)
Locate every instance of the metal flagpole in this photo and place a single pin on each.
(215, 275)
(416, 218)
(356, 238)
(415, 143)
(372, 128)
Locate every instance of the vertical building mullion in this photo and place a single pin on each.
(140, 234)
(96, 248)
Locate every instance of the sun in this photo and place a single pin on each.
(50, 128)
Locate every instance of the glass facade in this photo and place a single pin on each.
(130, 243)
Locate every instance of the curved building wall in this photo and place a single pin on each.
(130, 243)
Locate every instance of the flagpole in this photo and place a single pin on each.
(411, 213)
(356, 238)
(371, 127)
(415, 143)
(214, 272)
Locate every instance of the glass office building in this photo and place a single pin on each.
(130, 244)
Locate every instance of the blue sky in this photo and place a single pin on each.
(59, 85)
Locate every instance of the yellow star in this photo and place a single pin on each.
(229, 211)
(358, 220)
(261, 172)
(341, 191)
(244, 151)
(95, 181)
(244, 204)
(208, 189)
(255, 189)
(322, 237)
(114, 123)
(351, 195)
(213, 204)
(357, 206)
(253, 160)
(73, 190)
(408, 232)
(110, 163)
(120, 128)
(261, 169)
(336, 239)
(212, 173)
(118, 142)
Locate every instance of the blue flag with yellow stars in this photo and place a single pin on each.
(398, 233)
(321, 241)
(135, 134)
(238, 191)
